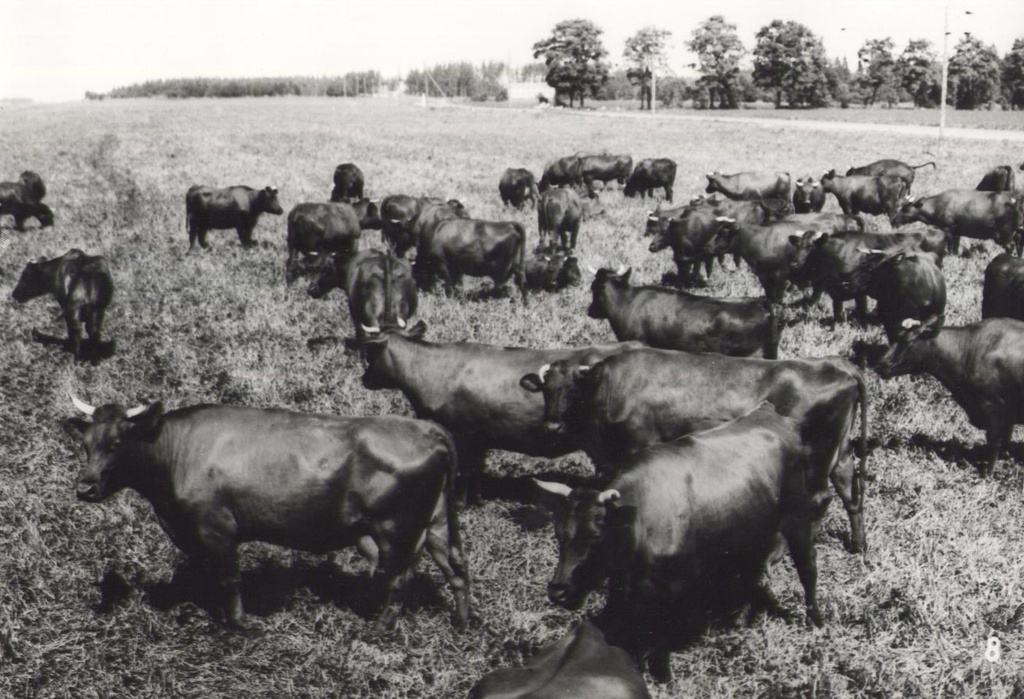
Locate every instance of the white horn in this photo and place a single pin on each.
(137, 410)
(590, 268)
(725, 219)
(370, 330)
(556, 488)
(817, 234)
(543, 371)
(909, 323)
(401, 322)
(610, 495)
(652, 217)
(816, 184)
(621, 270)
(81, 405)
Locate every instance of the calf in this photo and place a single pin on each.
(668, 319)
(235, 207)
(981, 365)
(751, 185)
(348, 183)
(861, 194)
(517, 186)
(808, 196)
(558, 215)
(1003, 293)
(316, 228)
(889, 168)
(684, 534)
(579, 664)
(82, 286)
(966, 212)
(650, 175)
(606, 168)
(220, 475)
(380, 289)
(23, 200)
(999, 179)
(552, 272)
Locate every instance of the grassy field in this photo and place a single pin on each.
(91, 604)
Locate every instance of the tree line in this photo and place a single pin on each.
(353, 84)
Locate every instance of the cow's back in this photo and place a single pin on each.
(1003, 294)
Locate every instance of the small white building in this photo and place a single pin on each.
(529, 91)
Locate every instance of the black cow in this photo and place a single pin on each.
(552, 272)
(558, 216)
(82, 286)
(649, 175)
(473, 391)
(517, 186)
(685, 533)
(751, 186)
(619, 405)
(348, 183)
(605, 168)
(966, 212)
(468, 247)
(220, 475)
(237, 207)
(889, 168)
(908, 286)
(858, 194)
(318, 228)
(808, 196)
(579, 665)
(380, 289)
(1003, 294)
(999, 179)
(982, 365)
(669, 319)
(759, 212)
(690, 236)
(399, 215)
(561, 172)
(23, 200)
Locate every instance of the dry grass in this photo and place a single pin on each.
(90, 605)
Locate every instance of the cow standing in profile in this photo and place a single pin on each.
(751, 186)
(889, 168)
(237, 207)
(997, 216)
(221, 475)
(650, 175)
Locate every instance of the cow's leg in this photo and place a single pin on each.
(799, 533)
(396, 554)
(668, 193)
(74, 326)
(575, 233)
(659, 666)
(519, 279)
(996, 434)
(850, 489)
(838, 311)
(289, 266)
(245, 235)
(202, 238)
(191, 238)
(445, 549)
(19, 222)
(471, 469)
(590, 188)
(862, 309)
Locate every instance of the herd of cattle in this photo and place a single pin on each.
(708, 449)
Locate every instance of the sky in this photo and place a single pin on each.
(56, 50)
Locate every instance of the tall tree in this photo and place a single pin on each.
(573, 56)
(973, 74)
(645, 53)
(876, 71)
(919, 73)
(790, 61)
(719, 51)
(1013, 75)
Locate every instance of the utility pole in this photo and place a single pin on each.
(424, 84)
(945, 74)
(654, 86)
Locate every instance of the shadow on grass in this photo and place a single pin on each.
(94, 352)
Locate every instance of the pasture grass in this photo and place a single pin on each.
(92, 602)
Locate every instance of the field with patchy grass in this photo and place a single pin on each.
(92, 603)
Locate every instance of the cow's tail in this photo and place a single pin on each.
(456, 557)
(389, 308)
(862, 467)
(930, 162)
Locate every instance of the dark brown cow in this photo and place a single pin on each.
(318, 228)
(868, 195)
(82, 286)
(348, 183)
(604, 167)
(889, 168)
(517, 186)
(649, 175)
(237, 207)
(23, 200)
(558, 216)
(561, 172)
(911, 294)
(399, 215)
(690, 237)
(751, 186)
(221, 475)
(1003, 294)
(808, 196)
(994, 216)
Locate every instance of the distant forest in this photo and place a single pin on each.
(348, 85)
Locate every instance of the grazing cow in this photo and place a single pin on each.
(380, 289)
(579, 665)
(467, 247)
(517, 186)
(606, 168)
(82, 286)
(561, 172)
(999, 179)
(629, 401)
(368, 214)
(669, 319)
(552, 272)
(966, 212)
(348, 183)
(982, 365)
(237, 207)
(808, 196)
(751, 186)
(1003, 294)
(650, 175)
(858, 194)
(684, 534)
(23, 200)
(318, 228)
(889, 168)
(472, 390)
(220, 475)
(558, 216)
(689, 236)
(400, 213)
(908, 284)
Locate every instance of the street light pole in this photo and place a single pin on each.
(945, 74)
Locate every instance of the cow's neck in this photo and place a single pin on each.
(941, 356)
(423, 374)
(620, 305)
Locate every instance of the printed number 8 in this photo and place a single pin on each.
(992, 650)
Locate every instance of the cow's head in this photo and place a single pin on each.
(561, 383)
(630, 187)
(113, 442)
(909, 211)
(803, 245)
(36, 280)
(723, 237)
(380, 369)
(267, 200)
(901, 356)
(369, 215)
(714, 183)
(458, 208)
(569, 273)
(330, 275)
(591, 528)
(44, 214)
(599, 289)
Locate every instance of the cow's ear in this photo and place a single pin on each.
(532, 383)
(417, 331)
(625, 275)
(794, 240)
(75, 427)
(550, 495)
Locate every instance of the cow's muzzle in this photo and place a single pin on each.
(89, 492)
(554, 427)
(563, 595)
